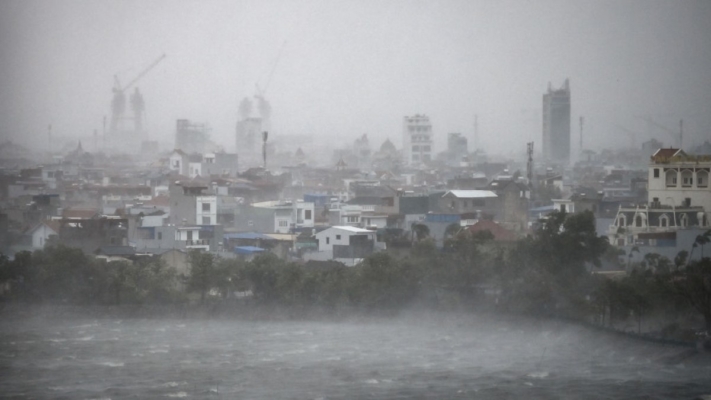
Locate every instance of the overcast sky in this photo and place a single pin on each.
(354, 67)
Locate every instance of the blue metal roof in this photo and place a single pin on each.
(248, 249)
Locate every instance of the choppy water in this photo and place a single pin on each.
(433, 357)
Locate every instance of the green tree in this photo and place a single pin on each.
(693, 283)
(202, 272)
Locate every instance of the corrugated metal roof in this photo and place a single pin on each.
(248, 249)
(471, 194)
(247, 235)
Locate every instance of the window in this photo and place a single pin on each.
(426, 148)
(206, 220)
(684, 221)
(663, 221)
(622, 221)
(415, 148)
(702, 178)
(328, 240)
(352, 219)
(671, 178)
(562, 208)
(687, 178)
(190, 235)
(656, 172)
(160, 235)
(638, 222)
(176, 163)
(479, 202)
(307, 214)
(338, 237)
(205, 207)
(283, 223)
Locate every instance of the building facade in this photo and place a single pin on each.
(677, 179)
(556, 124)
(417, 143)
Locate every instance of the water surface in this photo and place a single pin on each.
(414, 356)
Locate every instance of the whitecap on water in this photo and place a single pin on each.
(538, 375)
(112, 364)
(178, 394)
(84, 338)
(372, 381)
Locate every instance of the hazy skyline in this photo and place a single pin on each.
(354, 67)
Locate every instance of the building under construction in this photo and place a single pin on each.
(191, 137)
(127, 128)
(556, 124)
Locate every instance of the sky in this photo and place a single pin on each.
(346, 68)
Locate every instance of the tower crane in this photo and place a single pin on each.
(678, 136)
(118, 102)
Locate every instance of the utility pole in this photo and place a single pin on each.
(476, 132)
(49, 139)
(582, 119)
(681, 134)
(529, 164)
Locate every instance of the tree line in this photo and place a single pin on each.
(550, 272)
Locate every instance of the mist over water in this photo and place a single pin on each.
(418, 355)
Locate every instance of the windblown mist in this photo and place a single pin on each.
(414, 356)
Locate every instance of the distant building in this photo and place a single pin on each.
(191, 137)
(417, 140)
(556, 124)
(456, 149)
(254, 118)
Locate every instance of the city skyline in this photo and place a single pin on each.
(339, 70)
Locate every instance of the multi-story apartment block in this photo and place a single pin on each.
(189, 205)
(417, 140)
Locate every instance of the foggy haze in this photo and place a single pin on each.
(351, 67)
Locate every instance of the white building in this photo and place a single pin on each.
(346, 244)
(206, 210)
(417, 143)
(42, 232)
(679, 180)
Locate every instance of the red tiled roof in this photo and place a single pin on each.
(662, 154)
(500, 233)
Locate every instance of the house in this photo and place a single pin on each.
(346, 244)
(513, 202)
(469, 201)
(41, 233)
(678, 179)
(178, 162)
(275, 216)
(189, 205)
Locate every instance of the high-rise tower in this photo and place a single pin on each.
(556, 124)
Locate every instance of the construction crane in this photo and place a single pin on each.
(265, 109)
(118, 102)
(678, 136)
(632, 135)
